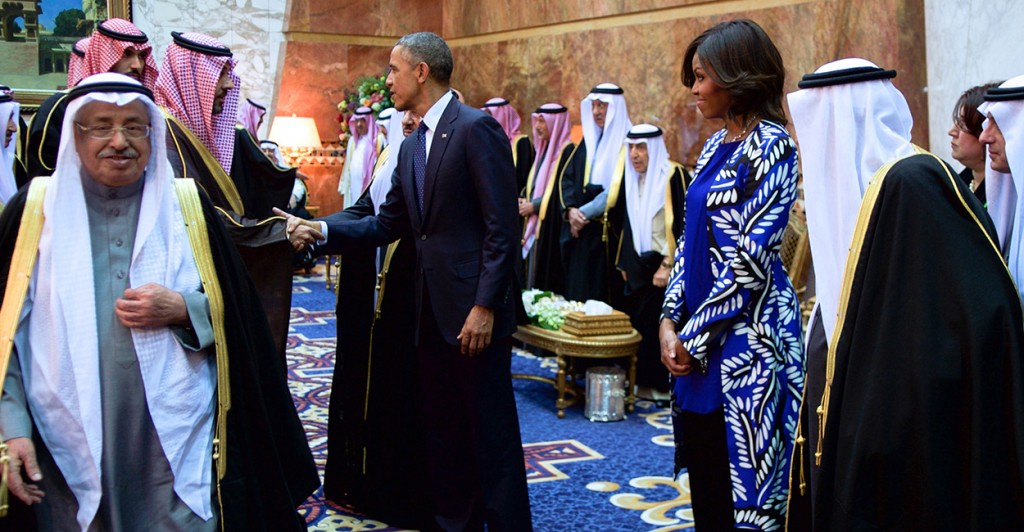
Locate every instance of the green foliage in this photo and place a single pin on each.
(68, 23)
(369, 91)
(547, 310)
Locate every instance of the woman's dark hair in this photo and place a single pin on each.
(965, 113)
(741, 58)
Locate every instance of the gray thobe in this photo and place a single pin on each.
(137, 481)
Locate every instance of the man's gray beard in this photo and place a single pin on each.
(218, 108)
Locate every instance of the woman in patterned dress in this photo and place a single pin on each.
(730, 328)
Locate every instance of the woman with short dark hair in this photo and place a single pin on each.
(730, 329)
(964, 144)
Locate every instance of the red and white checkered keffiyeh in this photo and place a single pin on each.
(76, 62)
(187, 86)
(104, 51)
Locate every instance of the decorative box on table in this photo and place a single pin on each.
(580, 324)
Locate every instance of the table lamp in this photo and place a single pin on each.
(296, 135)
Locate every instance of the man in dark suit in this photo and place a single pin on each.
(455, 190)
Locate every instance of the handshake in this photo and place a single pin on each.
(301, 233)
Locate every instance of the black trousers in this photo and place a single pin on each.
(473, 445)
(702, 450)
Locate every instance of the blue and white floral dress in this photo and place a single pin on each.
(739, 316)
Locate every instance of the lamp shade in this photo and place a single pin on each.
(295, 132)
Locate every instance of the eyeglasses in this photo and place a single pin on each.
(133, 132)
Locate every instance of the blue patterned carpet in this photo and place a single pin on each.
(582, 475)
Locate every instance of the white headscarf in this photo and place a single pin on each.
(62, 378)
(644, 203)
(381, 183)
(278, 157)
(9, 110)
(846, 133)
(1005, 204)
(384, 121)
(1001, 199)
(608, 141)
(362, 150)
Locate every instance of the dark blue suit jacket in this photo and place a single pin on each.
(467, 237)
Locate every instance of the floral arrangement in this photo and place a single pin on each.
(369, 91)
(547, 310)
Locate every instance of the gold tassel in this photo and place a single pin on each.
(799, 451)
(821, 434)
(800, 441)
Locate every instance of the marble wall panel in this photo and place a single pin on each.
(645, 60)
(474, 17)
(365, 17)
(969, 43)
(253, 29)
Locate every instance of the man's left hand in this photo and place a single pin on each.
(525, 208)
(576, 222)
(476, 332)
(151, 305)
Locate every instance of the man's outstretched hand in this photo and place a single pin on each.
(301, 233)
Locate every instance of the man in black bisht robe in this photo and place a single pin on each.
(589, 190)
(872, 118)
(375, 460)
(921, 422)
(539, 205)
(652, 208)
(201, 144)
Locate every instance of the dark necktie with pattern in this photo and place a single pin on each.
(419, 162)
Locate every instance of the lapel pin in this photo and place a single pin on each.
(444, 135)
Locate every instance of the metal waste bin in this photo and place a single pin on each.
(606, 394)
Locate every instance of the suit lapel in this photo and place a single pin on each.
(438, 145)
(409, 188)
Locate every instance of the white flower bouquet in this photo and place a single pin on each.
(547, 310)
